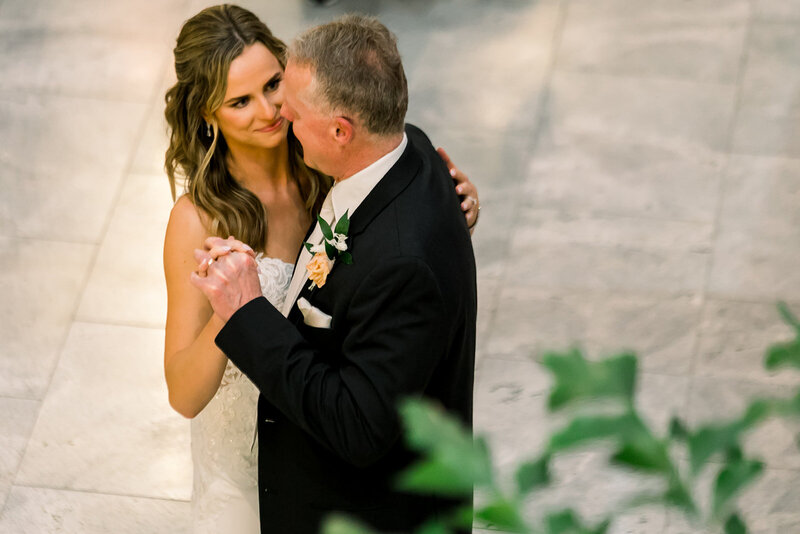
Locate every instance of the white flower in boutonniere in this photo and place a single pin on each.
(333, 247)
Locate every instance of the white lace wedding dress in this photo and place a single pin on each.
(224, 443)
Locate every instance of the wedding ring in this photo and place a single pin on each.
(210, 261)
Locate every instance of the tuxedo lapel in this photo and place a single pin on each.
(392, 184)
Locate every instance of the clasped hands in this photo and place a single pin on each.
(227, 275)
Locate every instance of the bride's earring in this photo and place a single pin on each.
(208, 130)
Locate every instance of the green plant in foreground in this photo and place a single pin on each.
(453, 463)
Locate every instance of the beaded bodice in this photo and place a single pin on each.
(223, 434)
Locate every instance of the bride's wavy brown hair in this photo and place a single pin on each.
(206, 46)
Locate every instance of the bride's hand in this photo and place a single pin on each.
(216, 247)
(466, 191)
(228, 280)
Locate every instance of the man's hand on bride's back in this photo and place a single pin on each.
(226, 274)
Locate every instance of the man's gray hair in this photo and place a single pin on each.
(358, 70)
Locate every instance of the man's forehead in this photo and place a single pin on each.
(298, 74)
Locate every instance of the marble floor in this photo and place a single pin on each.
(639, 171)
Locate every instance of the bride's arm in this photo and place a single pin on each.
(193, 365)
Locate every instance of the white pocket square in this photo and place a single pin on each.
(313, 316)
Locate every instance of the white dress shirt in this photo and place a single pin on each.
(345, 196)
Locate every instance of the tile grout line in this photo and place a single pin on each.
(718, 215)
(107, 493)
(542, 104)
(90, 267)
(715, 225)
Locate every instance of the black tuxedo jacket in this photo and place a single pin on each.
(403, 324)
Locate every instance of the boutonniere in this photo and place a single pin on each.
(333, 247)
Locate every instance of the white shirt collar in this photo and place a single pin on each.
(348, 194)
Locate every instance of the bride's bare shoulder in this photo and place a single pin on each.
(187, 227)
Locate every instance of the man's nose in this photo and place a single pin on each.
(268, 109)
(285, 113)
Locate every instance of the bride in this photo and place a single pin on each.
(243, 175)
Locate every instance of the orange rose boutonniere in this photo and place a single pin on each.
(318, 269)
(332, 247)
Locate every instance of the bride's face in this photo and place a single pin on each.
(251, 111)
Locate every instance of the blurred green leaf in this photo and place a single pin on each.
(339, 524)
(646, 453)
(533, 474)
(504, 515)
(789, 407)
(783, 355)
(584, 429)
(734, 525)
(678, 496)
(436, 477)
(677, 430)
(713, 439)
(732, 478)
(578, 379)
(428, 426)
(433, 527)
(452, 461)
(565, 522)
(461, 517)
(788, 316)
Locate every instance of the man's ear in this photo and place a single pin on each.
(343, 130)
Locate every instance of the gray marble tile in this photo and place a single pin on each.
(16, 422)
(125, 18)
(651, 44)
(148, 158)
(79, 64)
(50, 511)
(734, 337)
(510, 410)
(772, 72)
(662, 331)
(716, 400)
(40, 292)
(698, 11)
(659, 398)
(62, 160)
(596, 491)
(776, 10)
(491, 239)
(676, 115)
(466, 87)
(126, 284)
(60, 206)
(767, 132)
(770, 106)
(487, 303)
(106, 425)
(537, 225)
(595, 175)
(759, 230)
(587, 267)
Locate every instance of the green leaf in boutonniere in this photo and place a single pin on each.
(330, 250)
(343, 224)
(325, 227)
(346, 258)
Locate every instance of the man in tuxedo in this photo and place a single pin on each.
(393, 317)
